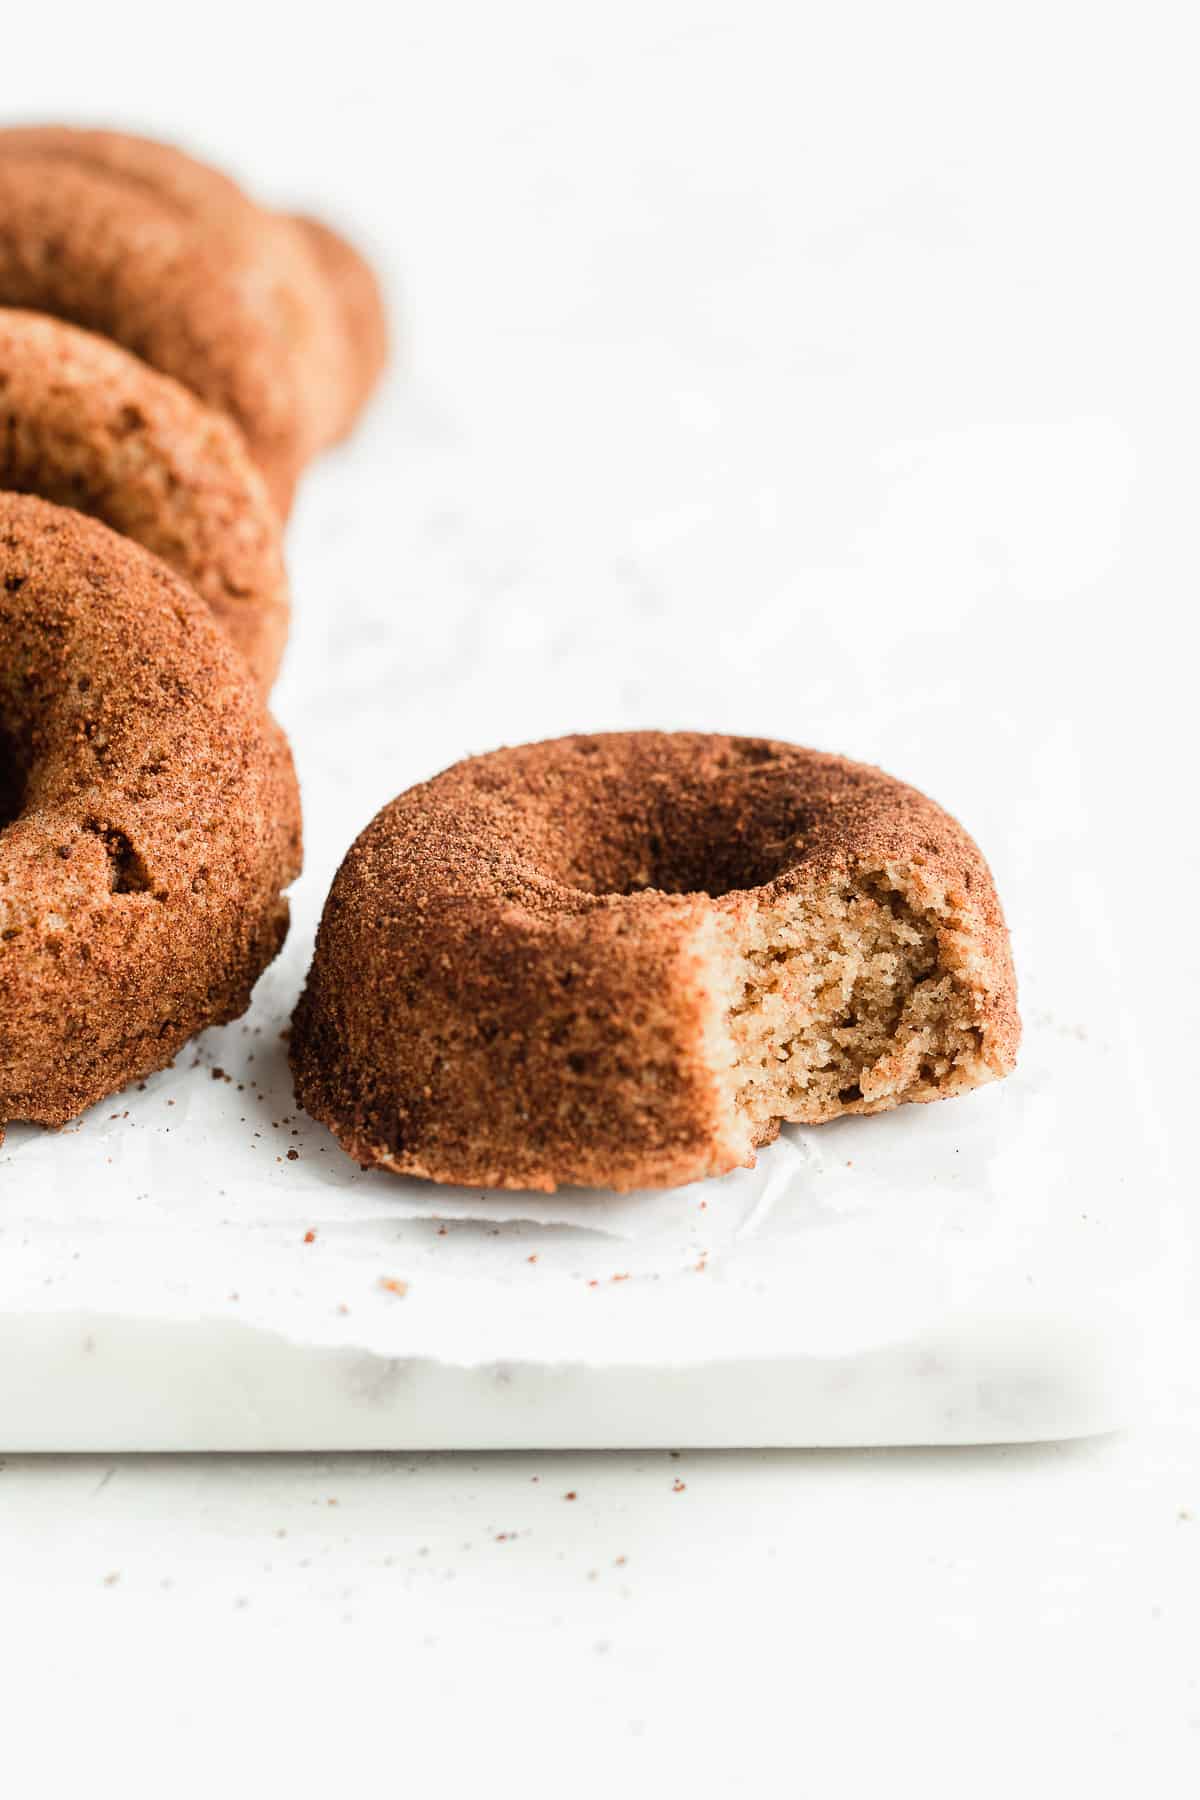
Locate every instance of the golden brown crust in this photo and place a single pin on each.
(516, 963)
(151, 817)
(190, 185)
(363, 330)
(90, 426)
(276, 266)
(145, 245)
(78, 243)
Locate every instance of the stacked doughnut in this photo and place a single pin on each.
(272, 320)
(170, 358)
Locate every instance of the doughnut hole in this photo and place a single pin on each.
(12, 780)
(691, 834)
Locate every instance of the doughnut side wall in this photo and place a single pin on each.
(523, 1049)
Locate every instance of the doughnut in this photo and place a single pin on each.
(145, 245)
(87, 425)
(341, 325)
(621, 961)
(149, 815)
(363, 323)
(327, 302)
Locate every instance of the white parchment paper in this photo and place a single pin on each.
(178, 1268)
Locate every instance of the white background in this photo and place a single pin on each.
(714, 320)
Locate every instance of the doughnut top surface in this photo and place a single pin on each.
(588, 819)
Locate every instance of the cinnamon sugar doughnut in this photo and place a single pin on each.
(362, 332)
(326, 299)
(143, 244)
(150, 815)
(622, 960)
(87, 425)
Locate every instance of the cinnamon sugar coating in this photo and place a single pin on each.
(150, 817)
(362, 334)
(92, 427)
(143, 244)
(621, 960)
